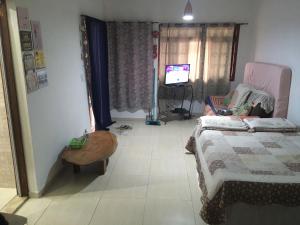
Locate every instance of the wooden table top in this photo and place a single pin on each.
(100, 145)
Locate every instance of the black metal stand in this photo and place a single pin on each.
(178, 113)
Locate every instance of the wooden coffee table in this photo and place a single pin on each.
(99, 147)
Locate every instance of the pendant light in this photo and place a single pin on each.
(188, 12)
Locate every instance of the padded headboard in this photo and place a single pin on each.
(273, 79)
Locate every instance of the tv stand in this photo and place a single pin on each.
(179, 110)
(178, 113)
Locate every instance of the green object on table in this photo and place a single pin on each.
(78, 143)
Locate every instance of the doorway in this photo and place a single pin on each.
(7, 175)
(13, 177)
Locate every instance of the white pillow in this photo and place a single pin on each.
(270, 124)
(222, 123)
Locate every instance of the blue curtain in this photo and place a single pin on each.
(97, 41)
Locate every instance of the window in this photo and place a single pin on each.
(209, 49)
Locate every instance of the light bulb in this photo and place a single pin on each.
(188, 17)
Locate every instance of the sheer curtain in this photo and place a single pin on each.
(217, 60)
(207, 48)
(181, 45)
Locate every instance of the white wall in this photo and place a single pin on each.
(277, 41)
(204, 11)
(59, 111)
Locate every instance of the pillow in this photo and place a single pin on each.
(240, 96)
(242, 110)
(222, 123)
(262, 98)
(270, 124)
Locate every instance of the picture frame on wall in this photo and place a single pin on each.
(36, 35)
(39, 60)
(42, 78)
(26, 41)
(32, 82)
(29, 61)
(32, 51)
(23, 19)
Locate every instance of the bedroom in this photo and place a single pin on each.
(60, 111)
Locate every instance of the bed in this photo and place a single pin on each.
(249, 170)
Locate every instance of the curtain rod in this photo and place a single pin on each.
(216, 23)
(209, 24)
(181, 23)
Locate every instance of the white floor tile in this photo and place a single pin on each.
(136, 151)
(168, 167)
(71, 210)
(6, 194)
(119, 212)
(34, 209)
(69, 183)
(168, 212)
(168, 141)
(167, 153)
(126, 186)
(135, 165)
(169, 187)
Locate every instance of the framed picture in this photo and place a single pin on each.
(26, 41)
(42, 78)
(32, 51)
(37, 35)
(23, 19)
(39, 60)
(32, 82)
(28, 60)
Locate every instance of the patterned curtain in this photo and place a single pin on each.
(130, 50)
(234, 52)
(208, 48)
(217, 60)
(85, 56)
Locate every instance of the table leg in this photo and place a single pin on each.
(76, 168)
(103, 165)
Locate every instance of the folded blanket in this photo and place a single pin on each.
(265, 100)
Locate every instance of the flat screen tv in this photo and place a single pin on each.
(177, 74)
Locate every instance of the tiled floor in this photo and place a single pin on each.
(6, 194)
(150, 181)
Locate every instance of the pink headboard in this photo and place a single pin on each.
(273, 79)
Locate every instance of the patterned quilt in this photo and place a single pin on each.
(238, 166)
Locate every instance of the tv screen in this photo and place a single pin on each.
(177, 74)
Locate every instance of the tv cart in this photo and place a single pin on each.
(177, 113)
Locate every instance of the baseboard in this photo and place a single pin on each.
(128, 119)
(53, 173)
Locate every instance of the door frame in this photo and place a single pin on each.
(16, 128)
